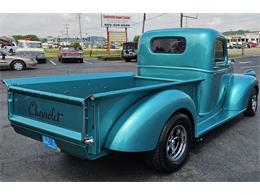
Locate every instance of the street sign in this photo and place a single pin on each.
(116, 21)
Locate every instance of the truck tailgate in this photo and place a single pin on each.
(47, 113)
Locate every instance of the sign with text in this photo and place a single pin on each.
(116, 21)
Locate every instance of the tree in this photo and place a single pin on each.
(29, 37)
(136, 38)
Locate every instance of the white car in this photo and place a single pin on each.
(31, 49)
(11, 48)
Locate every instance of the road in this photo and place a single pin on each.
(229, 153)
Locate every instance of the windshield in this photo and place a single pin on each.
(29, 45)
(70, 49)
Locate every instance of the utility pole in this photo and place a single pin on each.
(67, 31)
(144, 18)
(185, 16)
(80, 32)
(181, 20)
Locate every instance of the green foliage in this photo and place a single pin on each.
(76, 44)
(29, 37)
(136, 38)
(237, 32)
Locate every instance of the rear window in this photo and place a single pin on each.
(174, 45)
(127, 46)
(70, 49)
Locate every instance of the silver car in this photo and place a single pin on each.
(15, 62)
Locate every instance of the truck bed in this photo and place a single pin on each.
(71, 109)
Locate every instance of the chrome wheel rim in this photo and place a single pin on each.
(176, 143)
(254, 102)
(18, 66)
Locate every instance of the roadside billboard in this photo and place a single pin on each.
(116, 21)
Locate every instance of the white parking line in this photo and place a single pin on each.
(53, 63)
(247, 62)
(255, 66)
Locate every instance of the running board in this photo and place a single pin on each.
(215, 121)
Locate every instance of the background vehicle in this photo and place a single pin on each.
(129, 51)
(31, 49)
(70, 53)
(184, 88)
(15, 62)
(8, 44)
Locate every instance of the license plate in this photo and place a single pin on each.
(49, 142)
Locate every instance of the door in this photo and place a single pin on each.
(3, 60)
(221, 75)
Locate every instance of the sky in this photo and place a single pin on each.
(45, 25)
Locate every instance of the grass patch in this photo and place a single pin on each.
(88, 54)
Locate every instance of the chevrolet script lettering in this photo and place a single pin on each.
(51, 115)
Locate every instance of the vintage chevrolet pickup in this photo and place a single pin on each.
(185, 87)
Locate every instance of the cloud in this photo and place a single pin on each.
(53, 24)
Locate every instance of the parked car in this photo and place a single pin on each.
(252, 44)
(15, 62)
(129, 51)
(70, 53)
(10, 47)
(184, 88)
(238, 46)
(31, 49)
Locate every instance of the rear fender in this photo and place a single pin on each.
(239, 91)
(138, 129)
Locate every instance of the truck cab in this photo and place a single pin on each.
(185, 87)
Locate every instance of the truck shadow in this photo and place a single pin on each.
(132, 167)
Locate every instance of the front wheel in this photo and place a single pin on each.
(18, 65)
(252, 104)
(174, 145)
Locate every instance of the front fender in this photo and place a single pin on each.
(139, 128)
(239, 92)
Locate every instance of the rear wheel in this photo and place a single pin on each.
(62, 60)
(81, 60)
(252, 104)
(18, 65)
(173, 146)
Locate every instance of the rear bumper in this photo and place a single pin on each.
(31, 64)
(71, 147)
(129, 56)
(72, 57)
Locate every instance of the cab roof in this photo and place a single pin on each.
(199, 51)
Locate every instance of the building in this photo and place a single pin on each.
(253, 37)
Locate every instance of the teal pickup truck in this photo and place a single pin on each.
(185, 87)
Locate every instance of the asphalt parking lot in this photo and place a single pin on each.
(229, 153)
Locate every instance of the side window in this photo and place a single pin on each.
(219, 51)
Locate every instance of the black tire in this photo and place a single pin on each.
(160, 159)
(59, 59)
(15, 66)
(252, 104)
(81, 60)
(11, 51)
(62, 60)
(128, 59)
